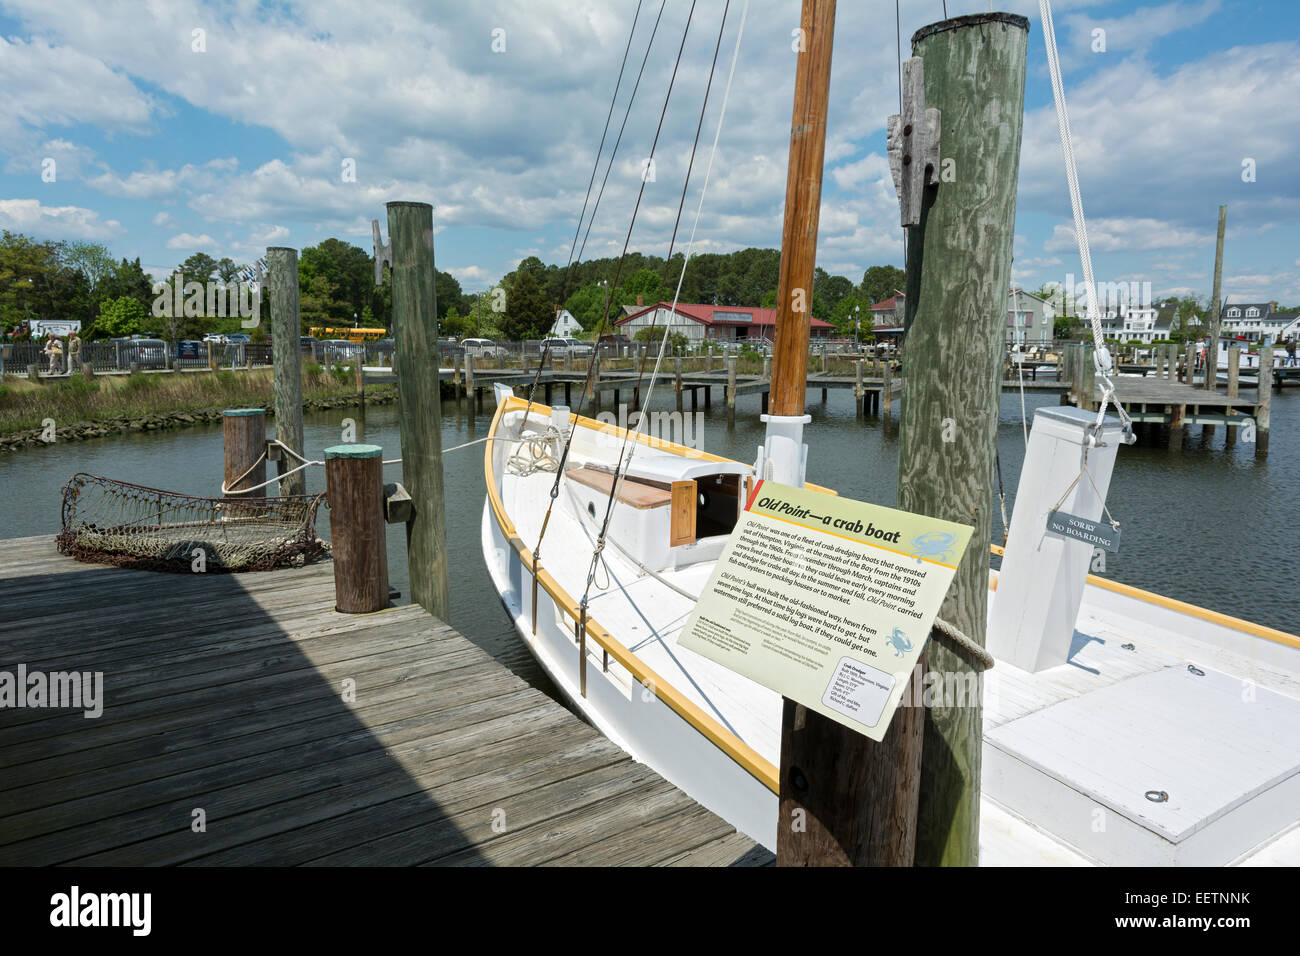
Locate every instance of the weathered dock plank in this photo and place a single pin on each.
(299, 735)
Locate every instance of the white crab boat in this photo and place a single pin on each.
(1157, 695)
(1145, 731)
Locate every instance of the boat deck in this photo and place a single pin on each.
(1152, 698)
(246, 722)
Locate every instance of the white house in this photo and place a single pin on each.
(565, 325)
(1250, 320)
(1030, 319)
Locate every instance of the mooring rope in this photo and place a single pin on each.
(1101, 357)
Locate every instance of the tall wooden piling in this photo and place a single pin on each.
(1263, 410)
(286, 354)
(1189, 361)
(415, 327)
(677, 380)
(1234, 376)
(887, 390)
(1216, 307)
(354, 481)
(243, 435)
(857, 387)
(958, 273)
(731, 384)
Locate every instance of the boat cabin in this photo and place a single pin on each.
(674, 511)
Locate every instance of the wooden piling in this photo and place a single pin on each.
(959, 266)
(1234, 375)
(677, 380)
(1088, 364)
(1216, 306)
(243, 435)
(419, 413)
(1263, 410)
(1189, 361)
(731, 383)
(857, 388)
(286, 354)
(887, 390)
(354, 481)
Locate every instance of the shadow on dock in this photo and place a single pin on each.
(246, 722)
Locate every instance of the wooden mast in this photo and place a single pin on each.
(845, 800)
(803, 194)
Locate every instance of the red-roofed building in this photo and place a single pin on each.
(714, 323)
(887, 319)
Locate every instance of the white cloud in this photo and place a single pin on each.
(62, 222)
(187, 240)
(1124, 235)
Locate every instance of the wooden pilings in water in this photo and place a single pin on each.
(1234, 375)
(243, 435)
(286, 356)
(1263, 411)
(415, 327)
(354, 480)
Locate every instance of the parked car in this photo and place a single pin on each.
(567, 347)
(483, 348)
(308, 344)
(216, 338)
(238, 338)
(141, 351)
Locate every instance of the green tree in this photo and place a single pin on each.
(843, 316)
(881, 282)
(199, 267)
(528, 308)
(228, 270)
(454, 324)
(121, 317)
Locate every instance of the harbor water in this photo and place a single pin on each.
(1203, 523)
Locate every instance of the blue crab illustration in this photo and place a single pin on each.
(933, 544)
(899, 642)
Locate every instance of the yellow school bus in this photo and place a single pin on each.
(352, 335)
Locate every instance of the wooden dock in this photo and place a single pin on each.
(1163, 402)
(246, 722)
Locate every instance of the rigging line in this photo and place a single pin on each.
(595, 352)
(626, 113)
(596, 167)
(627, 240)
(681, 205)
(1101, 358)
(704, 188)
(1002, 495)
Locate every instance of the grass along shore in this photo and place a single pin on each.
(25, 405)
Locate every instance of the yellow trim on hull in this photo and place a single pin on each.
(748, 758)
(739, 751)
(1182, 607)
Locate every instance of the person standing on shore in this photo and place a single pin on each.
(54, 349)
(74, 352)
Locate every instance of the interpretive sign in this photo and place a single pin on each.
(1099, 534)
(826, 600)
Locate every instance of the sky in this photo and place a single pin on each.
(167, 128)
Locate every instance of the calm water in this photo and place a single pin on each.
(1202, 523)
